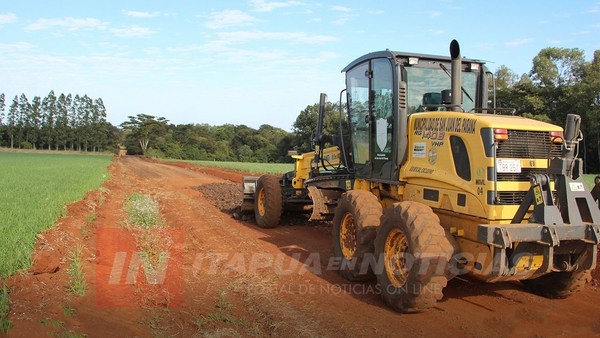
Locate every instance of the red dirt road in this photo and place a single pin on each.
(234, 279)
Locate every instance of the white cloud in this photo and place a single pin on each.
(341, 9)
(141, 14)
(267, 6)
(344, 18)
(556, 42)
(435, 14)
(518, 42)
(229, 18)
(70, 24)
(132, 31)
(16, 47)
(582, 33)
(7, 18)
(594, 9)
(227, 38)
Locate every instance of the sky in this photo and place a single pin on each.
(257, 62)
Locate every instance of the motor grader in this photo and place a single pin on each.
(435, 181)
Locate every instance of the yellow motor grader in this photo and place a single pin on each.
(434, 183)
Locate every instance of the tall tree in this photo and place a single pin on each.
(48, 119)
(144, 128)
(505, 78)
(62, 121)
(11, 120)
(35, 120)
(98, 122)
(2, 105)
(555, 67)
(305, 125)
(75, 123)
(589, 99)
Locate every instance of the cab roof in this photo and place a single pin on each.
(403, 55)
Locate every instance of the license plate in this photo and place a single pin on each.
(508, 166)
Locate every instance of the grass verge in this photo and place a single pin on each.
(266, 168)
(5, 324)
(34, 190)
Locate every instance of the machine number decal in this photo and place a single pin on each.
(434, 135)
(508, 166)
(576, 186)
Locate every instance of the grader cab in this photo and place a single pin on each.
(435, 183)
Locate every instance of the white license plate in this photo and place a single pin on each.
(508, 166)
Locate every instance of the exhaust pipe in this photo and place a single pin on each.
(455, 85)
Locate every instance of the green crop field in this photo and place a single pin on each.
(589, 179)
(271, 168)
(34, 189)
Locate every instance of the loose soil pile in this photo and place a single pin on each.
(227, 197)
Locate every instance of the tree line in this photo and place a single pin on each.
(65, 122)
(560, 82)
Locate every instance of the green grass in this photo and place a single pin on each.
(5, 324)
(58, 329)
(34, 189)
(77, 285)
(263, 168)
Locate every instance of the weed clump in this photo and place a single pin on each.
(142, 210)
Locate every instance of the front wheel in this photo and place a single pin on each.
(268, 201)
(413, 252)
(596, 190)
(354, 227)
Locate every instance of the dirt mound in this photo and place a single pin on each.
(225, 196)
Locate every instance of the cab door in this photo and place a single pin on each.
(371, 101)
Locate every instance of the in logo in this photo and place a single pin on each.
(127, 276)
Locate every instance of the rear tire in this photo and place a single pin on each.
(268, 201)
(413, 251)
(354, 228)
(596, 190)
(558, 284)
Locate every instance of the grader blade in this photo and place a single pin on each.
(324, 203)
(249, 186)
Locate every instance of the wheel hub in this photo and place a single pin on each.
(395, 258)
(260, 202)
(348, 236)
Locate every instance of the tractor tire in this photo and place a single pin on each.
(413, 252)
(558, 284)
(354, 229)
(596, 190)
(268, 201)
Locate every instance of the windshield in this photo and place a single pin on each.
(425, 86)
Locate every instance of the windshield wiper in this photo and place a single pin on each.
(450, 76)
